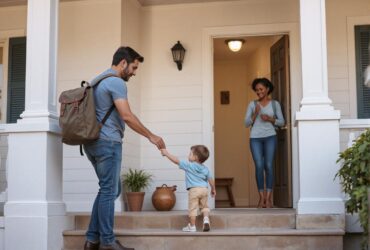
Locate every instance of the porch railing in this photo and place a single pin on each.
(350, 129)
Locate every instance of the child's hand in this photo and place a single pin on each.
(213, 193)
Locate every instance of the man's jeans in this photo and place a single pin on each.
(263, 152)
(106, 157)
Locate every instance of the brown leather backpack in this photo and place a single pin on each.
(78, 116)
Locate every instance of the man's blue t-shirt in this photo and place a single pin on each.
(196, 174)
(108, 90)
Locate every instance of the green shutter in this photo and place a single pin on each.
(16, 78)
(362, 40)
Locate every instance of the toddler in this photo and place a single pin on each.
(197, 177)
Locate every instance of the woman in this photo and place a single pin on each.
(263, 115)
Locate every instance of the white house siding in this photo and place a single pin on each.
(172, 100)
(130, 36)
(89, 33)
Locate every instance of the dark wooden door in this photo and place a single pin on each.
(279, 53)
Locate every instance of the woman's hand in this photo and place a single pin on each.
(256, 111)
(267, 118)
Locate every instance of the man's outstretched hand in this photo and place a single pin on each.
(158, 141)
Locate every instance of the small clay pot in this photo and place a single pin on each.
(164, 198)
(135, 200)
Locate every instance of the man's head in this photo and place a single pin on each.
(126, 61)
(199, 153)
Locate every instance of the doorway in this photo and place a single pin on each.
(233, 74)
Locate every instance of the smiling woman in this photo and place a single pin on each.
(263, 115)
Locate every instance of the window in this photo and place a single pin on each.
(362, 44)
(16, 78)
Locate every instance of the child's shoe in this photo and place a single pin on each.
(189, 228)
(206, 224)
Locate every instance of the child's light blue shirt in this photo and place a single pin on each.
(196, 174)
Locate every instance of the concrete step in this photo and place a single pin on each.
(220, 219)
(221, 239)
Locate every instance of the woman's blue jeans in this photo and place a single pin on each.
(106, 157)
(263, 152)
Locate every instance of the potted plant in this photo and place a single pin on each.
(135, 182)
(354, 176)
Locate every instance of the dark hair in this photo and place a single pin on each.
(127, 53)
(201, 152)
(265, 82)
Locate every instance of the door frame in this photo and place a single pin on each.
(208, 34)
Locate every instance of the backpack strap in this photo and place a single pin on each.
(274, 107)
(94, 84)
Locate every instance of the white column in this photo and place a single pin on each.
(35, 212)
(318, 122)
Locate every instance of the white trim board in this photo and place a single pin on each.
(292, 29)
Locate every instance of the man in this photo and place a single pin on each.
(105, 153)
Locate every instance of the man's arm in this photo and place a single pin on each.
(172, 158)
(134, 123)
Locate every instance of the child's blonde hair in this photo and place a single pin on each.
(201, 152)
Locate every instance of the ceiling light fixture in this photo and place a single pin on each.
(235, 44)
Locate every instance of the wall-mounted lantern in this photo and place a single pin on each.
(178, 54)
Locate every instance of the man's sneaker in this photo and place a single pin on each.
(206, 224)
(189, 228)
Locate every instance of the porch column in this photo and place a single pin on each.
(318, 122)
(35, 213)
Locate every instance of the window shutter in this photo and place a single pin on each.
(362, 40)
(16, 78)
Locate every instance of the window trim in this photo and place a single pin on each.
(5, 35)
(351, 50)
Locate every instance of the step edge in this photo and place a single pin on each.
(242, 232)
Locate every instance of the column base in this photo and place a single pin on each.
(36, 233)
(320, 206)
(320, 221)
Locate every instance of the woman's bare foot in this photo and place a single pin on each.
(262, 200)
(268, 204)
(261, 203)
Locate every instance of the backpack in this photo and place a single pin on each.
(78, 116)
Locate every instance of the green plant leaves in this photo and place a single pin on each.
(354, 176)
(136, 180)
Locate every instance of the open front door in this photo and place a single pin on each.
(283, 165)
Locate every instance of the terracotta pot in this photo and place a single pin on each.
(164, 198)
(135, 200)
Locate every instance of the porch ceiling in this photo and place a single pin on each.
(163, 2)
(252, 43)
(5, 3)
